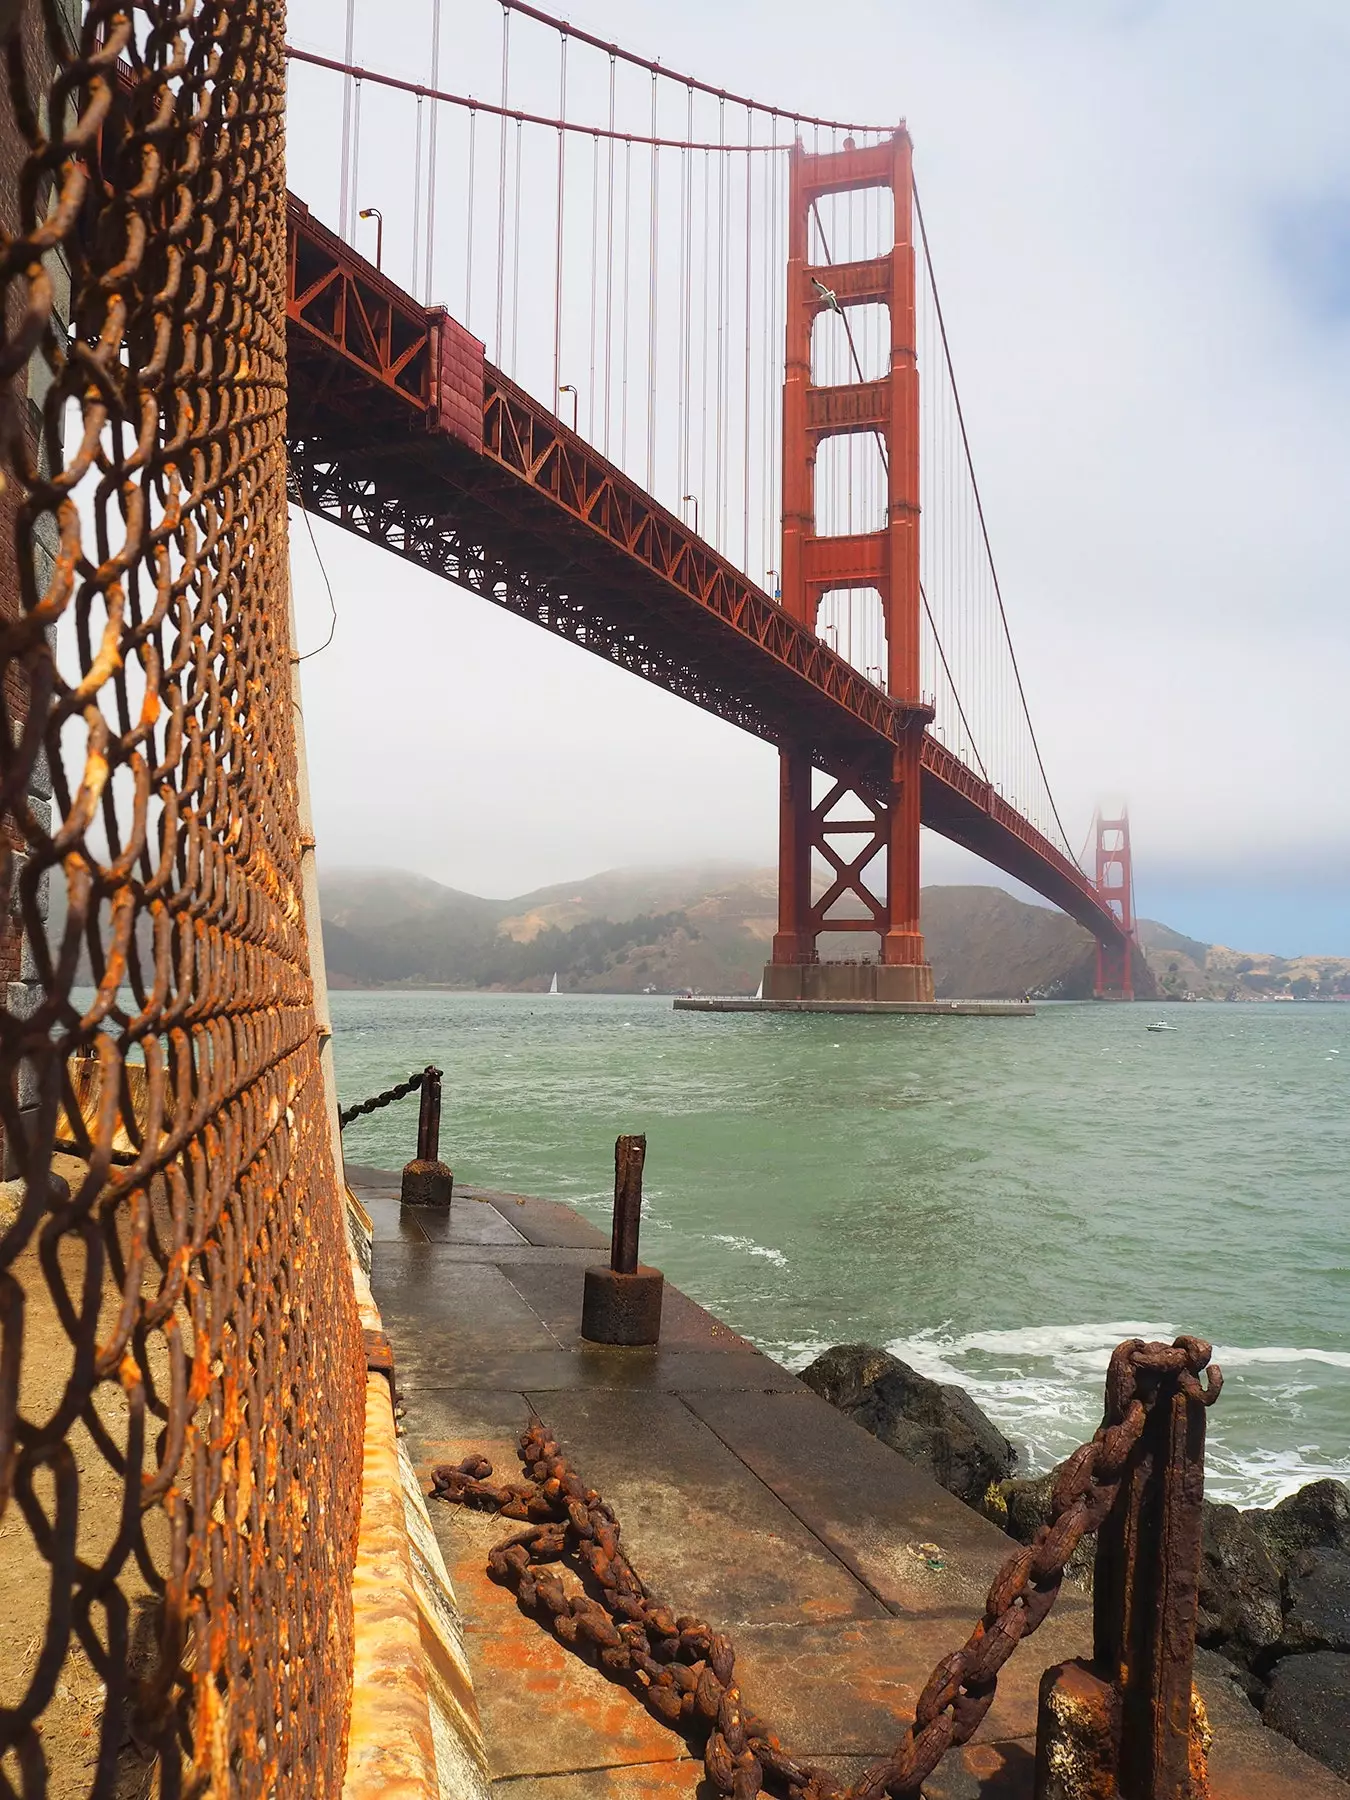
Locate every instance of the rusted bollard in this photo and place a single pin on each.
(622, 1304)
(426, 1179)
(1126, 1726)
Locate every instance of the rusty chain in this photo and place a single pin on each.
(387, 1098)
(181, 1377)
(684, 1671)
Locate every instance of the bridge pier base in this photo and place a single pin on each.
(836, 981)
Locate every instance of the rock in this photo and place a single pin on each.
(1240, 1600)
(1317, 1517)
(1309, 1702)
(931, 1423)
(1317, 1607)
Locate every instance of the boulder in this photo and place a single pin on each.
(1309, 1702)
(1240, 1599)
(1317, 1604)
(1317, 1517)
(931, 1423)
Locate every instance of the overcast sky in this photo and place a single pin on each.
(1141, 218)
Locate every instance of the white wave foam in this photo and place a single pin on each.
(1229, 1358)
(751, 1248)
(1042, 1386)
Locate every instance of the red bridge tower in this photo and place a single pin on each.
(857, 828)
(1115, 883)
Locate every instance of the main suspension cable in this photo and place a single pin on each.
(690, 81)
(979, 508)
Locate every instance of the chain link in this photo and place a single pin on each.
(181, 1376)
(387, 1098)
(685, 1671)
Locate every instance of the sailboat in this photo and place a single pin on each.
(553, 985)
(759, 991)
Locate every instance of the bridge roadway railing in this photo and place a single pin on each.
(402, 432)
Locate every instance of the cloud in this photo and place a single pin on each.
(1139, 224)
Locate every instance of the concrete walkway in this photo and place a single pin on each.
(743, 1497)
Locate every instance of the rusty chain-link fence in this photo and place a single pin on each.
(181, 1377)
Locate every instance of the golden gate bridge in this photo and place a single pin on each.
(665, 369)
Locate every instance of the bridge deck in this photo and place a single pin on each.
(743, 1497)
(384, 440)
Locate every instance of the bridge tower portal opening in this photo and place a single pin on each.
(879, 826)
(1115, 883)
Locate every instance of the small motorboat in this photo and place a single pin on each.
(1159, 1025)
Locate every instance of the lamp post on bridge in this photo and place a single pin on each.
(373, 212)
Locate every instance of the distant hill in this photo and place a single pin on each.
(707, 927)
(1184, 966)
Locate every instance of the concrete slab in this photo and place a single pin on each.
(869, 1505)
(546, 1221)
(450, 1316)
(586, 1365)
(699, 1527)
(851, 1688)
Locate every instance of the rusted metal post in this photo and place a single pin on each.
(429, 1117)
(630, 1153)
(426, 1180)
(622, 1304)
(1127, 1724)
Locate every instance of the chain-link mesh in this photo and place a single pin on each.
(181, 1383)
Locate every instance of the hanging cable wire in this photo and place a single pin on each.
(609, 261)
(595, 281)
(558, 241)
(431, 156)
(356, 162)
(501, 182)
(417, 196)
(749, 265)
(979, 507)
(332, 603)
(515, 256)
(468, 248)
(345, 184)
(627, 269)
(652, 290)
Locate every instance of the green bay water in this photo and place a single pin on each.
(997, 1201)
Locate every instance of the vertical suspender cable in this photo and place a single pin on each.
(749, 268)
(652, 291)
(686, 209)
(417, 200)
(627, 265)
(345, 188)
(558, 243)
(595, 280)
(356, 160)
(431, 156)
(468, 248)
(515, 251)
(609, 261)
(704, 360)
(719, 420)
(501, 185)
